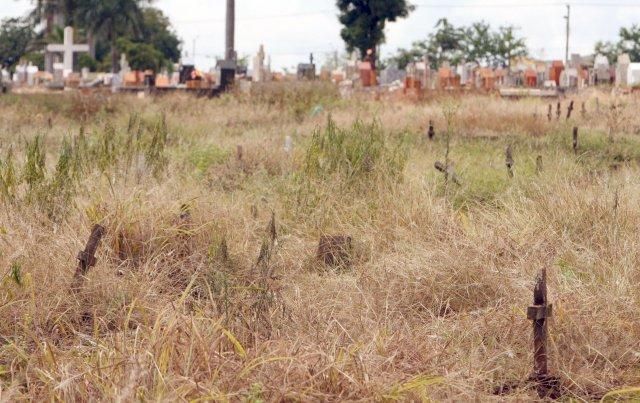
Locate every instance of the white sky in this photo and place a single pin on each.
(291, 29)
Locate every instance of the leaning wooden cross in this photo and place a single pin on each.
(569, 110)
(86, 258)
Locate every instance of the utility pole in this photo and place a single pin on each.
(230, 30)
(568, 18)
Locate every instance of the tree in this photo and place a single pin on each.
(446, 44)
(608, 49)
(15, 36)
(142, 56)
(478, 44)
(109, 18)
(508, 46)
(48, 10)
(364, 22)
(630, 42)
(156, 31)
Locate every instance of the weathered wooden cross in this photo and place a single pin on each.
(86, 258)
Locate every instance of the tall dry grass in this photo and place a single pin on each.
(193, 299)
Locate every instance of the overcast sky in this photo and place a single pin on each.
(291, 29)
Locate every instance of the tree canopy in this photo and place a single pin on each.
(15, 36)
(629, 42)
(364, 22)
(474, 43)
(142, 29)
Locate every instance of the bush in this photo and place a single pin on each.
(353, 155)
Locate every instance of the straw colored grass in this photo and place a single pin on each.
(193, 299)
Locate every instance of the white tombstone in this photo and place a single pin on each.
(622, 70)
(68, 49)
(21, 74)
(258, 65)
(31, 74)
(633, 74)
(58, 73)
(601, 61)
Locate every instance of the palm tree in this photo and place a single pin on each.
(111, 17)
(53, 12)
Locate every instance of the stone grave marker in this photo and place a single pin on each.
(68, 49)
(258, 73)
(622, 70)
(31, 74)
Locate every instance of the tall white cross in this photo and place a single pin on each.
(68, 48)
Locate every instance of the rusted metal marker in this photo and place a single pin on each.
(86, 258)
(539, 312)
(575, 140)
(569, 110)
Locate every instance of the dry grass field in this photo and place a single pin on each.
(207, 285)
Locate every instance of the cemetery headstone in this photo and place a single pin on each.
(633, 75)
(258, 65)
(68, 49)
(31, 73)
(622, 70)
(391, 75)
(21, 74)
(602, 70)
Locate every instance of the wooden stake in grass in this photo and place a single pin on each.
(569, 110)
(539, 166)
(335, 250)
(432, 132)
(584, 110)
(86, 258)
(539, 312)
(575, 140)
(558, 111)
(509, 160)
(550, 114)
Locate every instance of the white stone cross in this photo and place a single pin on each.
(68, 48)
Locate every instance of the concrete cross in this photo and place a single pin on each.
(68, 48)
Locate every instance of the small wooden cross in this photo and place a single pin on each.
(86, 258)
